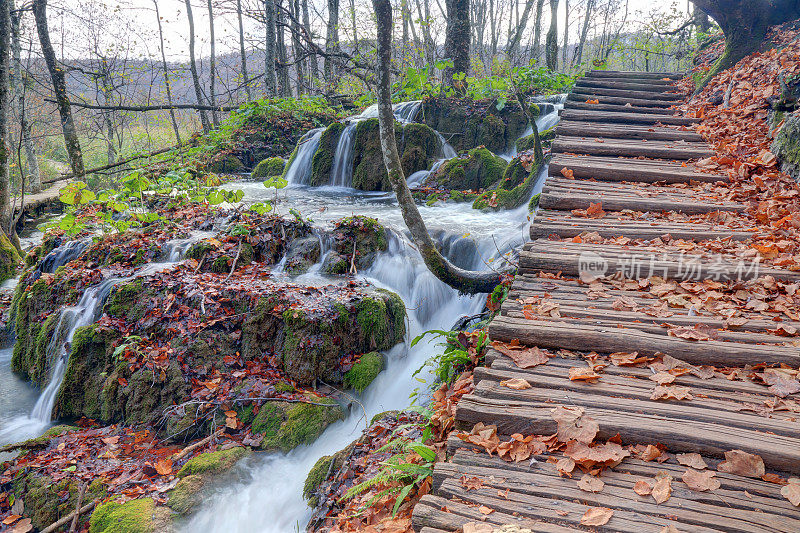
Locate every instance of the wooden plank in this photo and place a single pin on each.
(628, 74)
(519, 416)
(627, 93)
(633, 85)
(584, 337)
(577, 96)
(567, 201)
(673, 150)
(623, 108)
(617, 169)
(624, 118)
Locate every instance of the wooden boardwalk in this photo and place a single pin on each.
(691, 335)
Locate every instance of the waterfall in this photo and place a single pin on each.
(62, 255)
(299, 171)
(342, 172)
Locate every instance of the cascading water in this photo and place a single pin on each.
(342, 172)
(266, 495)
(299, 172)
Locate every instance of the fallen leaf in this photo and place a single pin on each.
(595, 210)
(590, 483)
(596, 516)
(485, 510)
(791, 491)
(478, 527)
(574, 425)
(565, 465)
(516, 384)
(693, 460)
(642, 488)
(700, 481)
(23, 526)
(583, 374)
(671, 392)
(662, 490)
(742, 464)
(662, 378)
(164, 466)
(567, 173)
(10, 519)
(523, 357)
(471, 483)
(669, 529)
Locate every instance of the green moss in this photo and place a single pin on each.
(514, 189)
(46, 501)
(81, 392)
(318, 474)
(787, 146)
(493, 133)
(9, 258)
(527, 143)
(272, 166)
(227, 163)
(372, 319)
(364, 372)
(212, 462)
(322, 162)
(199, 250)
(135, 516)
(184, 498)
(477, 169)
(127, 302)
(286, 426)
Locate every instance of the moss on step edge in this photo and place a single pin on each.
(285, 426)
(272, 166)
(364, 372)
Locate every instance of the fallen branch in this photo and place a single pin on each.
(64, 521)
(199, 444)
(158, 107)
(78, 503)
(26, 445)
(235, 260)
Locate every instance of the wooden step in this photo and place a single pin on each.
(564, 200)
(619, 169)
(578, 96)
(624, 118)
(656, 76)
(589, 84)
(625, 93)
(670, 150)
(621, 108)
(564, 225)
(616, 131)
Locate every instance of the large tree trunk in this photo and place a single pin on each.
(285, 88)
(463, 280)
(312, 60)
(20, 86)
(744, 23)
(551, 43)
(59, 90)
(6, 211)
(212, 83)
(331, 41)
(299, 61)
(456, 39)
(270, 79)
(242, 52)
(167, 84)
(198, 91)
(566, 36)
(537, 32)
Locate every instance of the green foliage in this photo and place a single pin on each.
(456, 355)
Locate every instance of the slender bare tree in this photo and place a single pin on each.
(6, 210)
(331, 40)
(20, 87)
(198, 90)
(212, 84)
(551, 43)
(165, 68)
(270, 77)
(242, 52)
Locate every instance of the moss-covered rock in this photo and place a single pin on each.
(213, 462)
(364, 372)
(526, 143)
(46, 501)
(272, 166)
(302, 254)
(322, 162)
(134, 516)
(514, 189)
(9, 258)
(358, 239)
(285, 426)
(474, 170)
(225, 164)
(787, 145)
(186, 495)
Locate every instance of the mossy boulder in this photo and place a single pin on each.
(211, 463)
(514, 189)
(9, 258)
(364, 372)
(46, 501)
(357, 239)
(134, 516)
(225, 164)
(319, 472)
(322, 162)
(527, 143)
(787, 145)
(285, 426)
(476, 169)
(272, 166)
(302, 254)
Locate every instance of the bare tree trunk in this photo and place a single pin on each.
(537, 32)
(270, 78)
(566, 36)
(6, 210)
(59, 90)
(167, 84)
(313, 58)
(299, 62)
(577, 55)
(331, 40)
(513, 45)
(551, 43)
(19, 85)
(242, 52)
(198, 91)
(427, 41)
(457, 39)
(463, 280)
(284, 86)
(355, 27)
(212, 84)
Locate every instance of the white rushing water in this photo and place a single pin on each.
(266, 497)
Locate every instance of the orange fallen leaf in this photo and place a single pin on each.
(485, 510)
(642, 488)
(164, 466)
(742, 463)
(574, 425)
(10, 519)
(471, 483)
(693, 460)
(671, 392)
(590, 483)
(791, 491)
(583, 374)
(597, 516)
(662, 490)
(700, 481)
(567, 173)
(516, 384)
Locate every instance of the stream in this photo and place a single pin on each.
(265, 492)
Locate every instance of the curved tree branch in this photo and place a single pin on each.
(464, 280)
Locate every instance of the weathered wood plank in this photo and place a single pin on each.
(654, 77)
(567, 201)
(584, 337)
(672, 150)
(632, 85)
(622, 108)
(628, 93)
(618, 169)
(577, 96)
(624, 118)
(612, 131)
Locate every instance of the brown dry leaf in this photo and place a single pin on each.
(669, 529)
(690, 333)
(485, 510)
(523, 357)
(590, 483)
(567, 173)
(791, 491)
(642, 488)
(651, 453)
(700, 481)
(597, 516)
(574, 425)
(662, 378)
(693, 460)
(742, 464)
(627, 359)
(471, 483)
(10, 519)
(595, 210)
(609, 454)
(671, 392)
(516, 384)
(583, 374)
(781, 384)
(565, 465)
(478, 527)
(23, 526)
(164, 466)
(662, 490)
